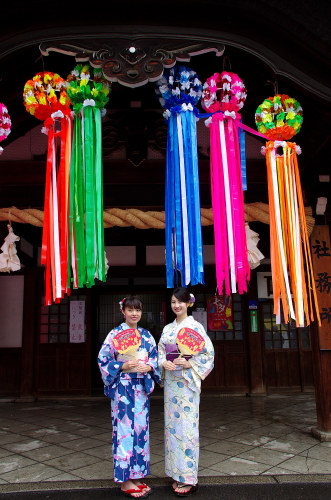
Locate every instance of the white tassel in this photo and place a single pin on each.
(9, 260)
(254, 254)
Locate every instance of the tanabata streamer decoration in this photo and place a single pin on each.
(280, 118)
(180, 91)
(224, 95)
(88, 91)
(45, 97)
(190, 342)
(5, 124)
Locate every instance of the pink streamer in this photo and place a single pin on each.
(238, 206)
(219, 209)
(242, 269)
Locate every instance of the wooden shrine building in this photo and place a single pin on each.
(274, 47)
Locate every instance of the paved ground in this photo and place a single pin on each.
(288, 491)
(67, 444)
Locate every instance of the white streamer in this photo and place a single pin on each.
(279, 230)
(228, 208)
(298, 255)
(56, 231)
(184, 200)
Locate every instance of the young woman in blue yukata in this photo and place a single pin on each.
(129, 377)
(182, 378)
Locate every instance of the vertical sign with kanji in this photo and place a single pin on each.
(77, 321)
(321, 253)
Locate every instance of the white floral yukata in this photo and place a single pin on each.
(182, 389)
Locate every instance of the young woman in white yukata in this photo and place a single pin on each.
(129, 381)
(182, 378)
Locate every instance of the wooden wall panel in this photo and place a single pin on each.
(231, 368)
(10, 371)
(63, 369)
(307, 371)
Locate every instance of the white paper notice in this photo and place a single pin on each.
(201, 317)
(77, 321)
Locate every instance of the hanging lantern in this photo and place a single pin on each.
(180, 91)
(279, 118)
(88, 91)
(224, 95)
(45, 97)
(5, 124)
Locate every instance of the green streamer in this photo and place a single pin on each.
(86, 198)
(79, 204)
(89, 196)
(99, 196)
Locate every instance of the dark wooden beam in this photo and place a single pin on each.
(22, 183)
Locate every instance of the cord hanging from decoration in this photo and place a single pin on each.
(45, 97)
(180, 91)
(88, 91)
(280, 118)
(224, 95)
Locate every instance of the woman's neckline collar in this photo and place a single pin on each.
(177, 324)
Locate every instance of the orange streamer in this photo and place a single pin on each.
(293, 243)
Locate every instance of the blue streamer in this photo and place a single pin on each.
(193, 197)
(169, 222)
(177, 211)
(181, 90)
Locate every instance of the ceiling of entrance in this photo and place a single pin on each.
(280, 43)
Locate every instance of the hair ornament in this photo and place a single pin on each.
(192, 300)
(121, 303)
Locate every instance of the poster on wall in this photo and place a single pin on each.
(77, 321)
(219, 312)
(201, 317)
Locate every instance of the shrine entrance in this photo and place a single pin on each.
(134, 150)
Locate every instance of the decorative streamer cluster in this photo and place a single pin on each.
(73, 239)
(5, 124)
(280, 118)
(73, 229)
(45, 97)
(224, 95)
(88, 91)
(180, 91)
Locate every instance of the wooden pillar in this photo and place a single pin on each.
(321, 337)
(255, 335)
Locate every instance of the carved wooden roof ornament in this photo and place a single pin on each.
(133, 62)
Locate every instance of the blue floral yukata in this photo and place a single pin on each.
(129, 394)
(181, 404)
